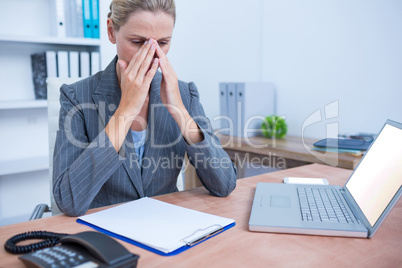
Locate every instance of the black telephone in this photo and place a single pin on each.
(87, 249)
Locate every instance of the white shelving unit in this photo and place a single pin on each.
(9, 105)
(50, 40)
(24, 159)
(18, 107)
(23, 165)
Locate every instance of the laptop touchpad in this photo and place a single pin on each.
(280, 201)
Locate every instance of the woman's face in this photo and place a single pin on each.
(139, 28)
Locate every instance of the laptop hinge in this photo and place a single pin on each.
(351, 206)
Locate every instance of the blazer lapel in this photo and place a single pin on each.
(107, 94)
(107, 98)
(131, 164)
(151, 152)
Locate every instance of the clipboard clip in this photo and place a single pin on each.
(202, 234)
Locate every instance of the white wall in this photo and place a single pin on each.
(213, 41)
(20, 193)
(217, 41)
(318, 52)
(346, 53)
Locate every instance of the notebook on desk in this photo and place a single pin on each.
(348, 144)
(357, 209)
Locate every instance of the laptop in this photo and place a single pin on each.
(355, 210)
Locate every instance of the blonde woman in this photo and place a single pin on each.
(123, 132)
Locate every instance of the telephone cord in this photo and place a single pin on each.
(50, 239)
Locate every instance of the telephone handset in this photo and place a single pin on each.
(87, 249)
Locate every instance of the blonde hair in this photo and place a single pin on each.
(120, 10)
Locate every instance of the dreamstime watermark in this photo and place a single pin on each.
(165, 137)
(76, 118)
(331, 111)
(199, 161)
(271, 160)
(173, 161)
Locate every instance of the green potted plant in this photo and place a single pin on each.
(274, 127)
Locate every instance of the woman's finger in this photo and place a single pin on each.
(159, 52)
(168, 74)
(147, 62)
(151, 73)
(164, 63)
(123, 65)
(139, 57)
(135, 56)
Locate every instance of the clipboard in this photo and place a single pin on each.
(156, 226)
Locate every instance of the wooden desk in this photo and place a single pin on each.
(283, 153)
(239, 247)
(259, 155)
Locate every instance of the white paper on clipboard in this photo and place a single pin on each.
(157, 224)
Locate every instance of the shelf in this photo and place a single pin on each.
(50, 40)
(8, 105)
(15, 166)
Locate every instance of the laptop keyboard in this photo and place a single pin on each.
(322, 205)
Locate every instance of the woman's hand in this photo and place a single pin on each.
(135, 79)
(171, 98)
(170, 93)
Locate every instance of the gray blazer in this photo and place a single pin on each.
(88, 172)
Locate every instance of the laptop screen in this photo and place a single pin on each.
(379, 175)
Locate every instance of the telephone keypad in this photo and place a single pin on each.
(56, 257)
